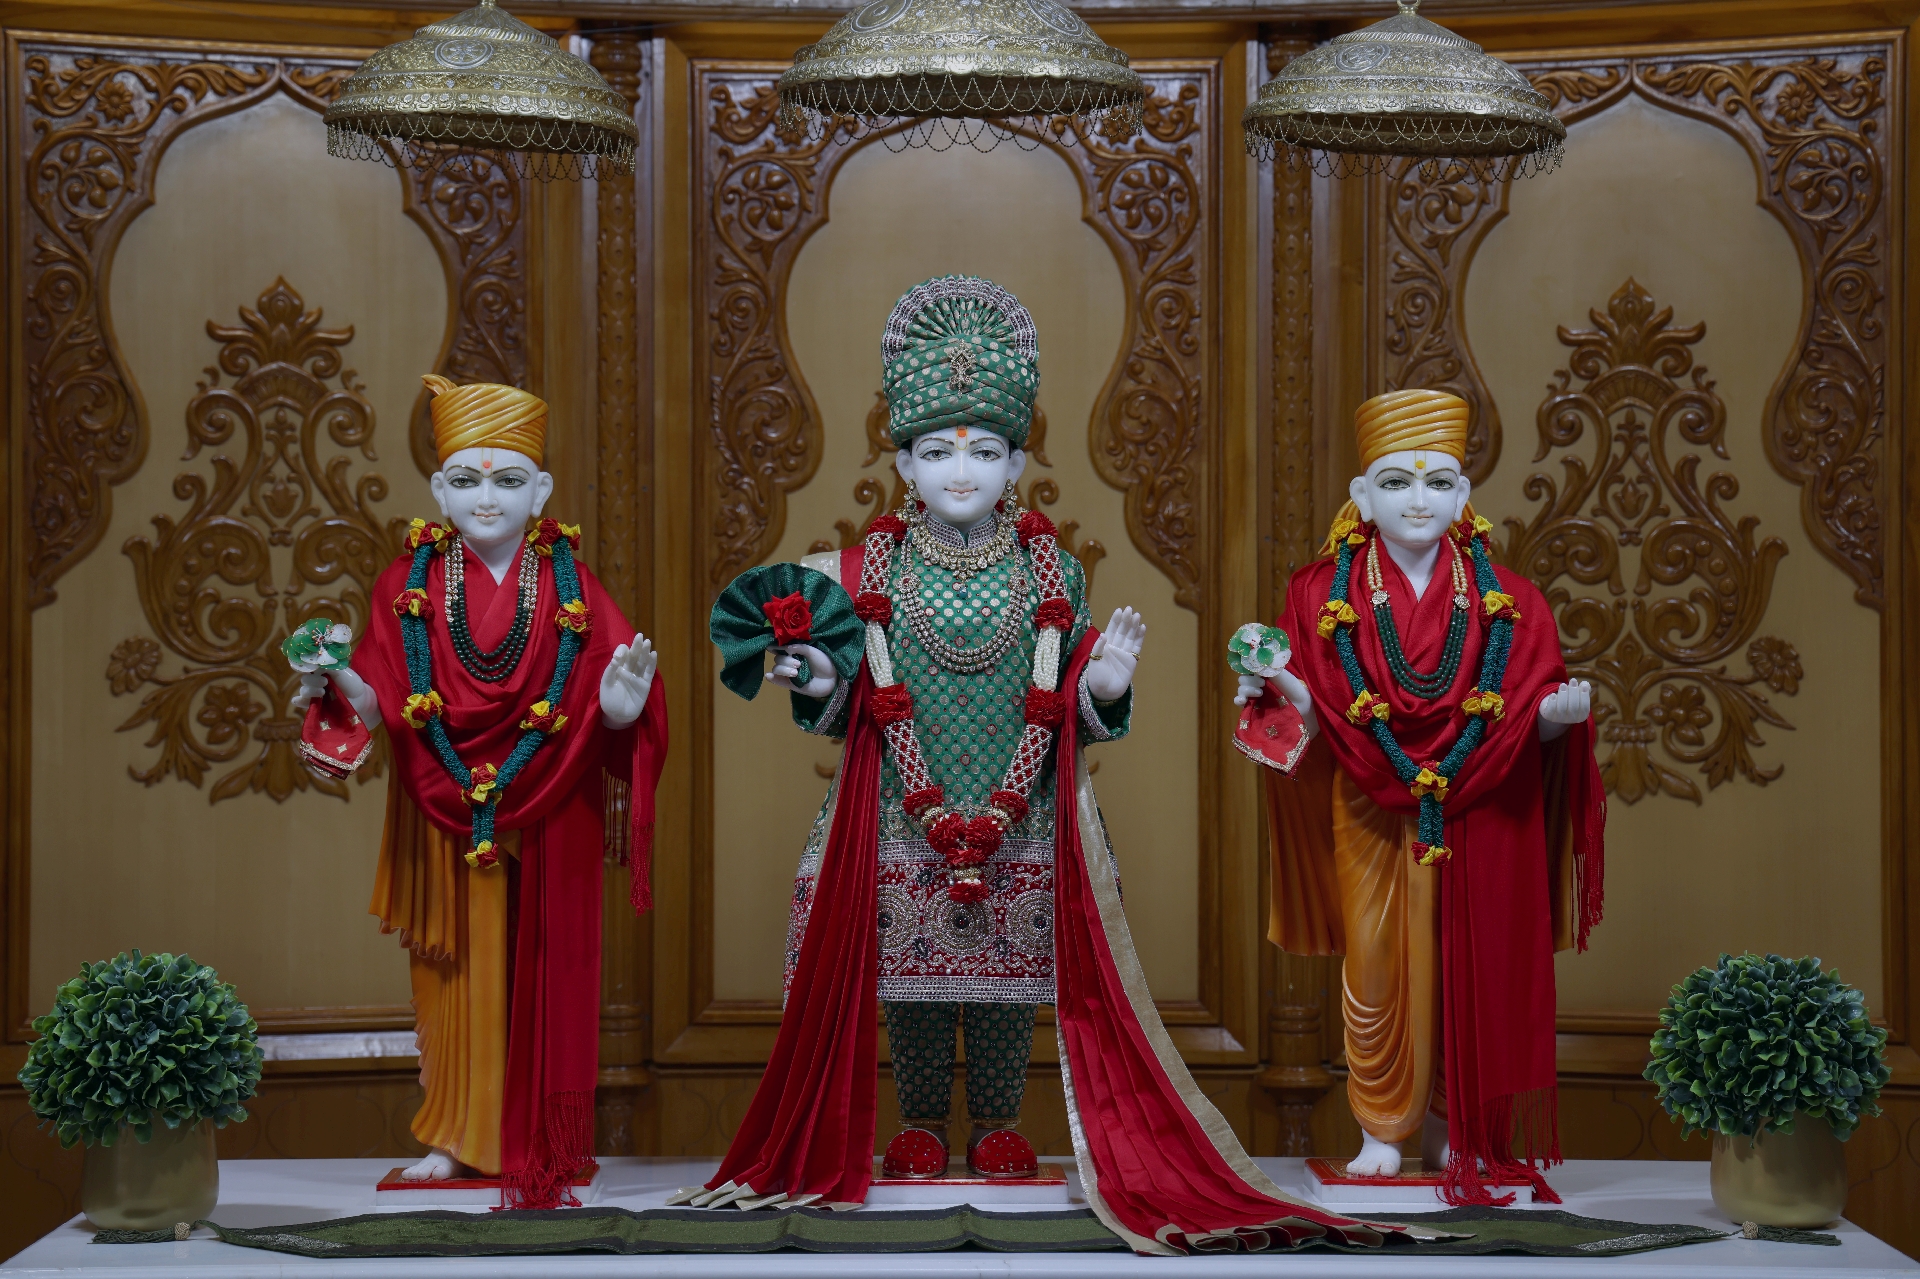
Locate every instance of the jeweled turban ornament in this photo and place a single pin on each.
(960, 351)
(486, 415)
(1404, 87)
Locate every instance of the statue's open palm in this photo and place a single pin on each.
(1115, 654)
(627, 681)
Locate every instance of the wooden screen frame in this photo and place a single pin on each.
(691, 1027)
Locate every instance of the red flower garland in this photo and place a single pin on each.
(964, 843)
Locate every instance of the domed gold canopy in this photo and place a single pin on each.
(1403, 87)
(483, 80)
(961, 70)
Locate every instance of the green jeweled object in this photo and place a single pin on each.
(318, 644)
(1258, 650)
(1426, 687)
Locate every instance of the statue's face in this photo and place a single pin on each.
(490, 494)
(1413, 496)
(961, 472)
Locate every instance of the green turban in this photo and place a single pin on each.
(960, 351)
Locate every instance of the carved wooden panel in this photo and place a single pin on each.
(94, 121)
(1818, 123)
(1644, 412)
(761, 194)
(92, 125)
(1821, 130)
(475, 212)
(1149, 197)
(1295, 536)
(229, 702)
(618, 57)
(764, 196)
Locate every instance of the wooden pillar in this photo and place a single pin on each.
(622, 513)
(1296, 1075)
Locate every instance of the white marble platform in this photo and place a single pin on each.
(260, 1192)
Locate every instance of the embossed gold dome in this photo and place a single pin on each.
(483, 80)
(962, 71)
(1403, 87)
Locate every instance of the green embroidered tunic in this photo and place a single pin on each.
(999, 950)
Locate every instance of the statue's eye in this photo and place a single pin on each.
(1440, 483)
(1393, 483)
(461, 480)
(510, 480)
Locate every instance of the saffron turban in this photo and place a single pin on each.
(486, 415)
(960, 351)
(1402, 420)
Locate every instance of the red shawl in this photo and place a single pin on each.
(1158, 1163)
(1496, 935)
(557, 803)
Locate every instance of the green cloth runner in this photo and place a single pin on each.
(668, 1230)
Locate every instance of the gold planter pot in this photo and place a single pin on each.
(1782, 1179)
(151, 1185)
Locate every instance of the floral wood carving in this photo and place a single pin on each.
(619, 57)
(764, 196)
(209, 583)
(1658, 665)
(1820, 129)
(1147, 198)
(92, 124)
(474, 211)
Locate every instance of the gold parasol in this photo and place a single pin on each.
(1404, 87)
(968, 71)
(483, 80)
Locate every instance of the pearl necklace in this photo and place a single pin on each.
(489, 668)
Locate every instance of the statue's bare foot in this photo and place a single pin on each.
(1433, 1144)
(437, 1166)
(1376, 1158)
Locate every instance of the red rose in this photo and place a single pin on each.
(918, 802)
(892, 705)
(967, 891)
(983, 834)
(1012, 803)
(1045, 709)
(873, 606)
(1033, 524)
(948, 836)
(792, 619)
(890, 526)
(1056, 613)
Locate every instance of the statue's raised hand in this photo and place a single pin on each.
(1115, 654)
(822, 678)
(627, 681)
(1565, 706)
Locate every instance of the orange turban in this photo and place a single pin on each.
(486, 415)
(1395, 423)
(1402, 420)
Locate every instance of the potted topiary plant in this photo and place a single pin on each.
(141, 1058)
(1778, 1062)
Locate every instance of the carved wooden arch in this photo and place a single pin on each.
(1817, 122)
(766, 195)
(95, 120)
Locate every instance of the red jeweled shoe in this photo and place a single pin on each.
(915, 1152)
(1002, 1154)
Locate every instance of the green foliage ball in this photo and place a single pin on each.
(140, 1038)
(1744, 1045)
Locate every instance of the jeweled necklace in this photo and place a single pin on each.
(487, 667)
(948, 655)
(967, 842)
(482, 785)
(961, 561)
(1427, 781)
(1427, 687)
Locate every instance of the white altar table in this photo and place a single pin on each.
(262, 1192)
